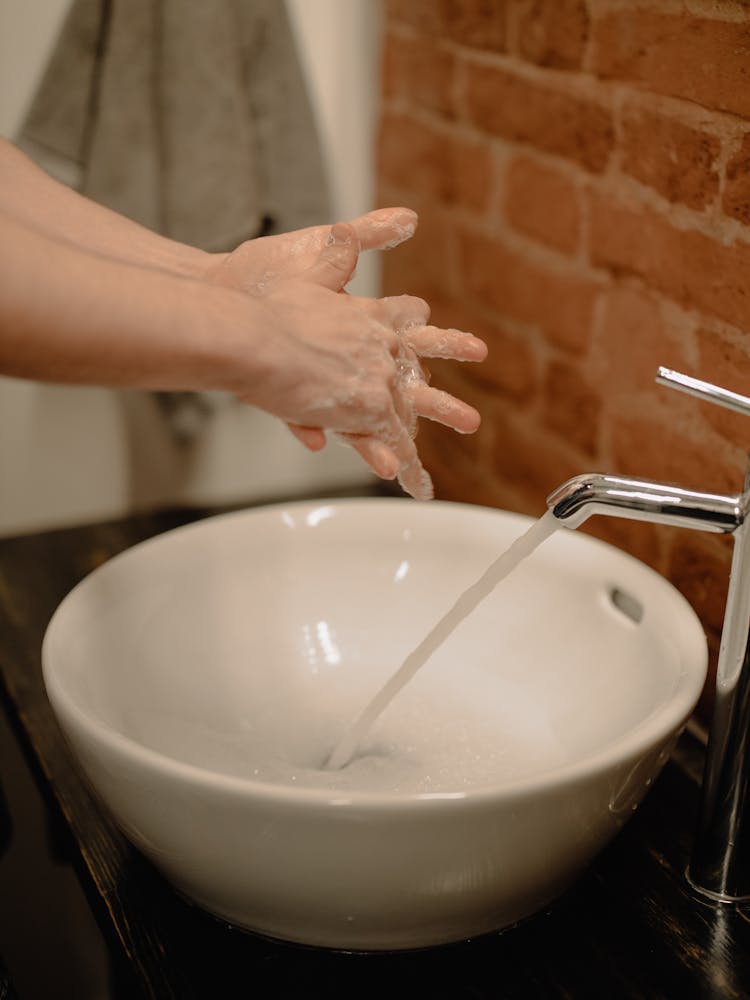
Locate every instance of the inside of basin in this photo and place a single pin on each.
(246, 644)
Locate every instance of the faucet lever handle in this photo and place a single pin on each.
(704, 390)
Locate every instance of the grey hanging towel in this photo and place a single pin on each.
(189, 116)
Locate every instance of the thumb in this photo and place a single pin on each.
(337, 260)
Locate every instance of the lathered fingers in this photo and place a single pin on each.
(435, 342)
(438, 405)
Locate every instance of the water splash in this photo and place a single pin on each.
(469, 599)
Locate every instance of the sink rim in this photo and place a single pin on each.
(661, 724)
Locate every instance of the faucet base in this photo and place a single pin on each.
(723, 898)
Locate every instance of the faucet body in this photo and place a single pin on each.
(720, 866)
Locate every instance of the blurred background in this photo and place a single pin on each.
(582, 173)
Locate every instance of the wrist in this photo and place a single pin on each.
(178, 259)
(225, 348)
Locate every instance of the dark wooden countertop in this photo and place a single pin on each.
(629, 928)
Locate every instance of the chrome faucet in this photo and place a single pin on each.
(720, 864)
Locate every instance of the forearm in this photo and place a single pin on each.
(71, 316)
(302, 351)
(34, 198)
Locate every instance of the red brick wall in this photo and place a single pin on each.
(582, 173)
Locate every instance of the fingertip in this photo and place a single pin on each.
(469, 347)
(465, 419)
(417, 482)
(386, 228)
(313, 438)
(381, 459)
(399, 214)
(473, 421)
(383, 462)
(408, 217)
(480, 347)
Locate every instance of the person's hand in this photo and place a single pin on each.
(351, 365)
(257, 265)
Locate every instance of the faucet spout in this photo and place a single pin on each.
(642, 500)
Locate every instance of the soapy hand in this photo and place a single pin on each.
(408, 317)
(262, 265)
(351, 365)
(119, 305)
(257, 265)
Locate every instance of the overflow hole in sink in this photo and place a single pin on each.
(626, 604)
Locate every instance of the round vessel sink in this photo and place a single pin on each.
(204, 676)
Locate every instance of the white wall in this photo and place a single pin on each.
(27, 32)
(72, 454)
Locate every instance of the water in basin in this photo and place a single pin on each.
(503, 566)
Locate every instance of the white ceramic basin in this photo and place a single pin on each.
(203, 676)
